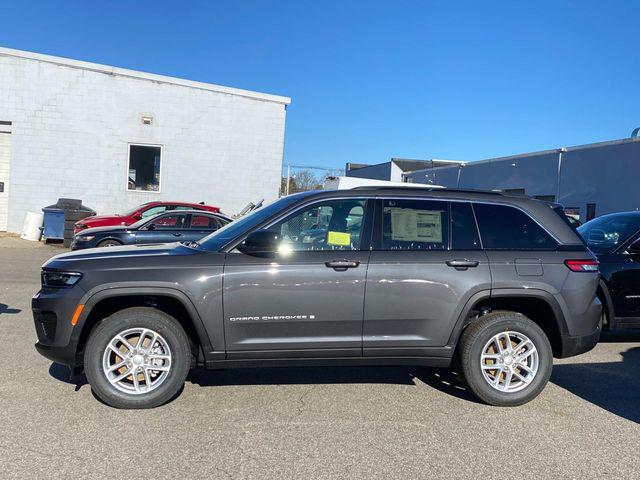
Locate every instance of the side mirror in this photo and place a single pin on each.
(137, 216)
(151, 226)
(260, 242)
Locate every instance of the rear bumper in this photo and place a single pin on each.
(572, 346)
(576, 344)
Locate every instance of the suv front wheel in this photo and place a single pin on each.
(137, 358)
(506, 358)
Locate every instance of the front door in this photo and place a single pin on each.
(5, 158)
(425, 264)
(165, 228)
(624, 281)
(306, 300)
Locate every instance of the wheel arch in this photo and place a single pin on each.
(605, 297)
(169, 300)
(538, 305)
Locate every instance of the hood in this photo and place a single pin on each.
(76, 260)
(103, 218)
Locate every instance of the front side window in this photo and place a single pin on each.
(168, 222)
(507, 228)
(144, 168)
(329, 225)
(415, 225)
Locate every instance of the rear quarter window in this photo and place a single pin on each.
(507, 228)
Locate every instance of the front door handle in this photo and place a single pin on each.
(462, 264)
(177, 234)
(342, 265)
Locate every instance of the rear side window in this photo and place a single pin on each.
(464, 233)
(507, 228)
(204, 222)
(415, 225)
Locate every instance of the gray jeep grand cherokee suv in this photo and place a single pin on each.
(369, 276)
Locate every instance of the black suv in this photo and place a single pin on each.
(369, 276)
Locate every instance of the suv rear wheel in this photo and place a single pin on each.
(506, 358)
(137, 358)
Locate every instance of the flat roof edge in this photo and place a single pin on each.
(124, 72)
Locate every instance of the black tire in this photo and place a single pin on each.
(137, 317)
(479, 333)
(109, 243)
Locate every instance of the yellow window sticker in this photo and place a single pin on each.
(339, 238)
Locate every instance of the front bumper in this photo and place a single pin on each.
(52, 310)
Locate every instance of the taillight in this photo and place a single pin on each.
(582, 265)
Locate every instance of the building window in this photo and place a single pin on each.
(144, 168)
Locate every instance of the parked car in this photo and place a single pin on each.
(615, 239)
(138, 213)
(171, 226)
(500, 283)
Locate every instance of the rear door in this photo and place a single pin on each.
(426, 263)
(306, 300)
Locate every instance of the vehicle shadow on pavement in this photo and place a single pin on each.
(614, 386)
(63, 374)
(442, 380)
(4, 308)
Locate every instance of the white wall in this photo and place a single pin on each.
(72, 126)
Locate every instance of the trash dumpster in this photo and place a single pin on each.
(72, 211)
(53, 228)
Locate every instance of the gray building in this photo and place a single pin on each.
(589, 180)
(116, 138)
(395, 170)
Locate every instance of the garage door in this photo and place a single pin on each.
(5, 158)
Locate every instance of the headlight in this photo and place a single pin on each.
(85, 238)
(59, 279)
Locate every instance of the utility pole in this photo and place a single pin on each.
(286, 188)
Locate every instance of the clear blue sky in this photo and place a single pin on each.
(375, 79)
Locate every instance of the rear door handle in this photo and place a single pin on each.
(177, 234)
(342, 265)
(462, 264)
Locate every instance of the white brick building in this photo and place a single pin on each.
(68, 129)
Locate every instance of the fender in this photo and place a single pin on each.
(510, 293)
(607, 298)
(121, 289)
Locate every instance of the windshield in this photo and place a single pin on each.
(131, 211)
(604, 234)
(218, 239)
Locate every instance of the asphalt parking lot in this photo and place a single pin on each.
(309, 423)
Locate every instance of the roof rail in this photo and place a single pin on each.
(427, 189)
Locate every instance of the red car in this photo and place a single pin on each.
(143, 211)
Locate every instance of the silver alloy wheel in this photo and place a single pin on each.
(110, 243)
(509, 361)
(137, 361)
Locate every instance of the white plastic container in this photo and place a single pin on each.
(31, 230)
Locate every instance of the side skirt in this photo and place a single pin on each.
(440, 362)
